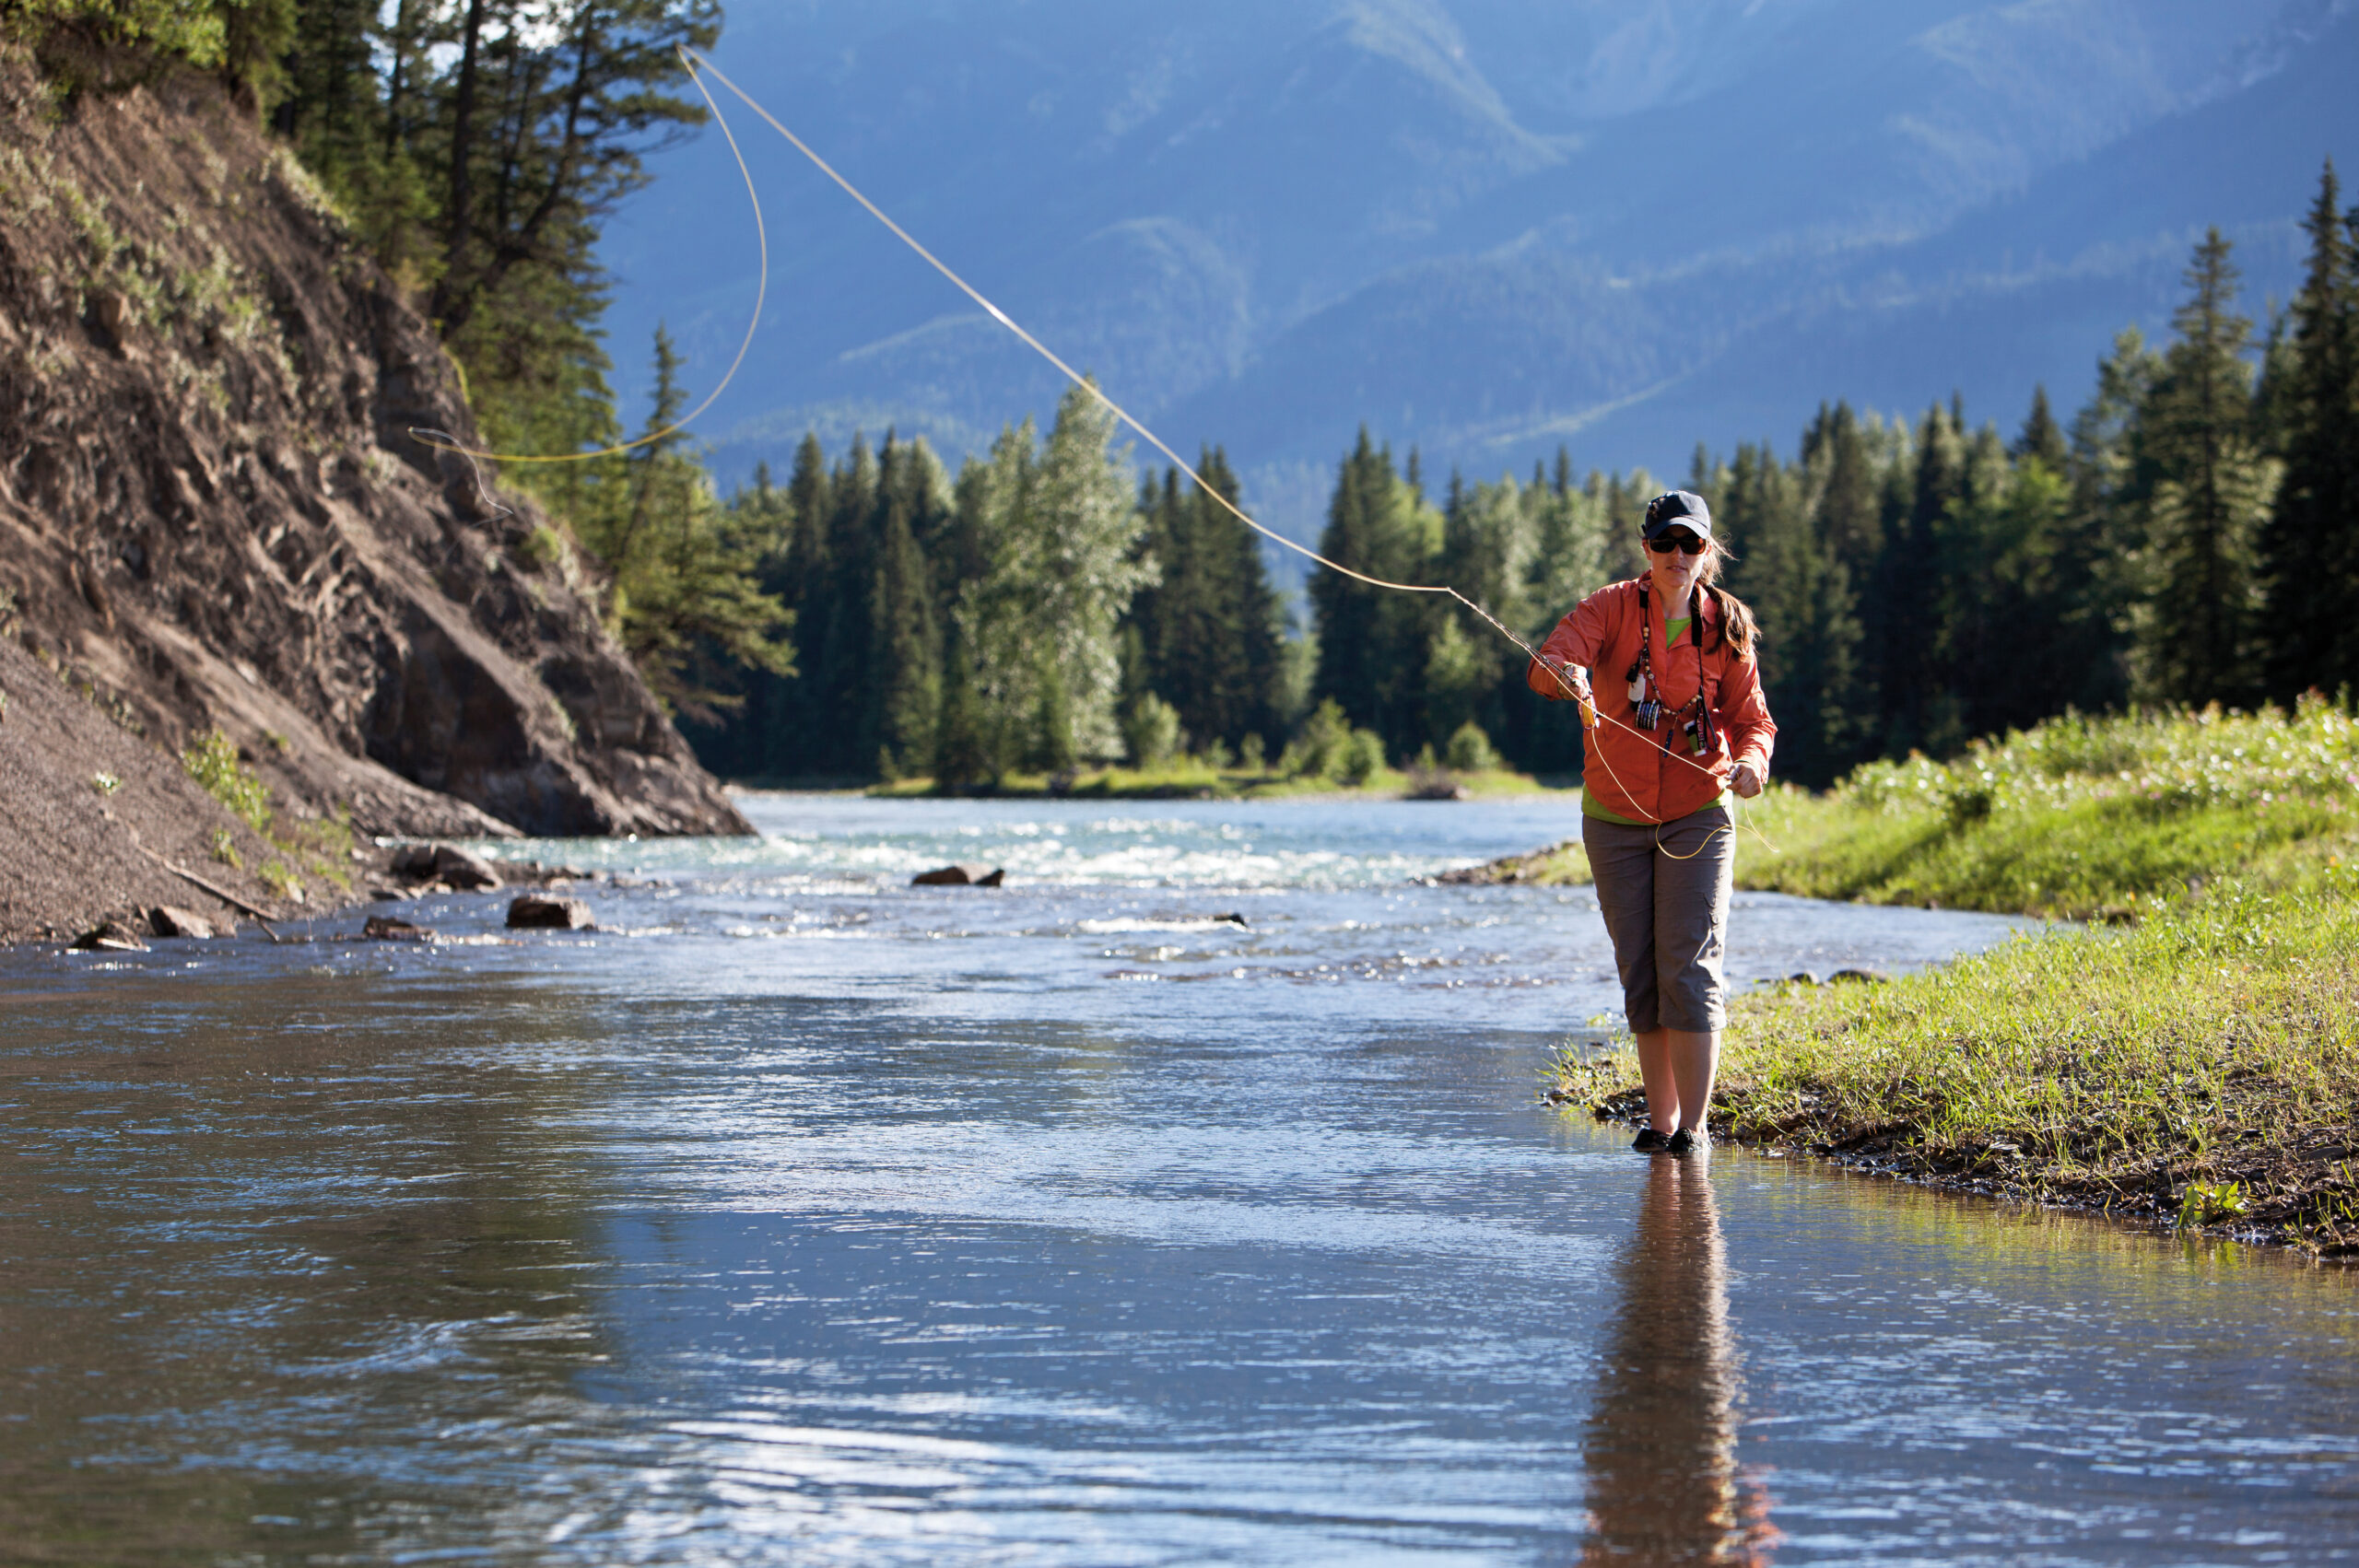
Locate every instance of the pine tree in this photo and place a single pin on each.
(2310, 558)
(901, 695)
(682, 595)
(1782, 577)
(2211, 489)
(1359, 534)
(962, 756)
(1842, 692)
(1485, 554)
(844, 682)
(1904, 611)
(1207, 631)
(2042, 437)
(1373, 642)
(791, 711)
(1989, 568)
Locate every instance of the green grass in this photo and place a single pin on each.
(2079, 818)
(212, 760)
(2197, 1063)
(320, 846)
(2212, 1045)
(2076, 819)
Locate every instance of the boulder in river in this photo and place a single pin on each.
(384, 928)
(959, 876)
(1858, 977)
(445, 863)
(534, 912)
(110, 936)
(168, 920)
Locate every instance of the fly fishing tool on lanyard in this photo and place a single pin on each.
(1695, 718)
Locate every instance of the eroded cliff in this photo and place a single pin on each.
(212, 512)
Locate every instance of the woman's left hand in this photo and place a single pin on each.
(1744, 781)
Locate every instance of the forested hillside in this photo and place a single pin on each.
(2189, 536)
(1034, 612)
(2185, 537)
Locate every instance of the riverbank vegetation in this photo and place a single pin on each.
(2197, 1069)
(2076, 818)
(1327, 757)
(319, 847)
(2195, 1063)
(2193, 1058)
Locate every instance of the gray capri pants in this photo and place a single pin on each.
(1664, 893)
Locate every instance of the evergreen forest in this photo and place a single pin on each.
(2185, 538)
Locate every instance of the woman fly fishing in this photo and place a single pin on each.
(1681, 726)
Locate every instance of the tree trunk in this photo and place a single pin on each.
(448, 298)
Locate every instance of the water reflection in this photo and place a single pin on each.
(910, 1235)
(266, 1252)
(1664, 1486)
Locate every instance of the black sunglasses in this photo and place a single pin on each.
(1678, 539)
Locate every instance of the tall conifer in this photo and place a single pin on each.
(2310, 562)
(2042, 437)
(2211, 487)
(1360, 522)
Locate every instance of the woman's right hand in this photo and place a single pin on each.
(1572, 681)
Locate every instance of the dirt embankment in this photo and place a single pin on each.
(94, 815)
(213, 515)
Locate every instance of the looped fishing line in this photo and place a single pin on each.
(447, 442)
(442, 440)
(693, 60)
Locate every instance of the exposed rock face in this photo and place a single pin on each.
(212, 511)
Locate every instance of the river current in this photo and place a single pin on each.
(1187, 1199)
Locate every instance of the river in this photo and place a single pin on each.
(799, 1215)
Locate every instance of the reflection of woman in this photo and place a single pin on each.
(1662, 1441)
(1683, 725)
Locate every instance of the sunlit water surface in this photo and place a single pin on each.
(799, 1215)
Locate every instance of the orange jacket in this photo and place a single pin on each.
(1652, 776)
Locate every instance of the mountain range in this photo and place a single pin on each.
(1482, 229)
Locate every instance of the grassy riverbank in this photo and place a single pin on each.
(2198, 1065)
(2077, 819)
(2199, 1068)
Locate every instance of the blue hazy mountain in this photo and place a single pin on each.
(1482, 228)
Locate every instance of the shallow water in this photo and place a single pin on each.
(804, 1216)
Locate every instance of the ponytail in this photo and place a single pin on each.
(1739, 631)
